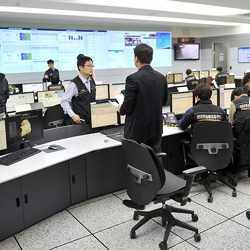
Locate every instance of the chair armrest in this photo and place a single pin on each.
(194, 171)
(161, 154)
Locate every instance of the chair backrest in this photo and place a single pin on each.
(145, 175)
(243, 142)
(53, 117)
(212, 144)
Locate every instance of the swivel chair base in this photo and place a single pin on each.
(168, 221)
(216, 177)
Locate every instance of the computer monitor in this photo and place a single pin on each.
(102, 92)
(103, 114)
(115, 89)
(3, 136)
(204, 74)
(231, 79)
(215, 97)
(24, 127)
(180, 102)
(32, 87)
(213, 73)
(48, 98)
(170, 78)
(19, 99)
(178, 78)
(227, 98)
(196, 74)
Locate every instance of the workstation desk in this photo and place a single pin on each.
(89, 165)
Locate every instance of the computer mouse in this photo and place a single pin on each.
(53, 147)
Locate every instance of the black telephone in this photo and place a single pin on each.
(170, 119)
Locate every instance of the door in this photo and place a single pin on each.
(11, 211)
(78, 182)
(45, 193)
(220, 56)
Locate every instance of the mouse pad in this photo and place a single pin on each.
(59, 148)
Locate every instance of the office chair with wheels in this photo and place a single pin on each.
(53, 117)
(242, 147)
(212, 147)
(148, 181)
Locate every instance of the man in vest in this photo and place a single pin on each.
(203, 110)
(4, 93)
(80, 93)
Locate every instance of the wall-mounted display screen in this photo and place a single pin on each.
(244, 55)
(184, 51)
(27, 50)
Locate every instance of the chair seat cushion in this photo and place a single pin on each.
(172, 184)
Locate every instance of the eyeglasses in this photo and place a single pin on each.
(89, 65)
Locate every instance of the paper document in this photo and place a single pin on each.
(120, 99)
(22, 108)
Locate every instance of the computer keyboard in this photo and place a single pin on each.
(18, 156)
(115, 133)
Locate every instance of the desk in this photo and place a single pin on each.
(46, 183)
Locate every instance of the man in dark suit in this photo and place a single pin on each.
(4, 93)
(145, 92)
(52, 74)
(80, 93)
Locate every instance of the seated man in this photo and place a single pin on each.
(203, 110)
(189, 79)
(221, 77)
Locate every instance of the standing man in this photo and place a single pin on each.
(145, 92)
(80, 93)
(4, 93)
(52, 74)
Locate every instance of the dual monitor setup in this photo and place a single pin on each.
(181, 101)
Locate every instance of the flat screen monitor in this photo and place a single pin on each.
(180, 102)
(115, 89)
(178, 78)
(3, 137)
(204, 74)
(187, 51)
(215, 97)
(213, 73)
(103, 114)
(32, 87)
(227, 98)
(25, 126)
(102, 92)
(170, 78)
(19, 99)
(244, 55)
(231, 79)
(196, 74)
(48, 98)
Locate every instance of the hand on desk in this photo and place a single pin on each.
(76, 119)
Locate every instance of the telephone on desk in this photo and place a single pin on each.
(170, 119)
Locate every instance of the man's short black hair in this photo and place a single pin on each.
(220, 69)
(82, 59)
(246, 78)
(247, 88)
(188, 71)
(203, 92)
(50, 61)
(237, 92)
(144, 53)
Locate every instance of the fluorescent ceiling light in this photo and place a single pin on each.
(98, 15)
(165, 5)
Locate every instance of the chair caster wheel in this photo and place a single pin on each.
(195, 217)
(234, 194)
(132, 235)
(163, 246)
(197, 237)
(210, 199)
(136, 216)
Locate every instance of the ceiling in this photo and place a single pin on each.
(126, 14)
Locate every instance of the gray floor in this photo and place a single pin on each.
(104, 223)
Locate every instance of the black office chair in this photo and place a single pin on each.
(53, 117)
(212, 147)
(147, 181)
(242, 146)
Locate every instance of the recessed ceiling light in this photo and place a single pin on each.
(102, 15)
